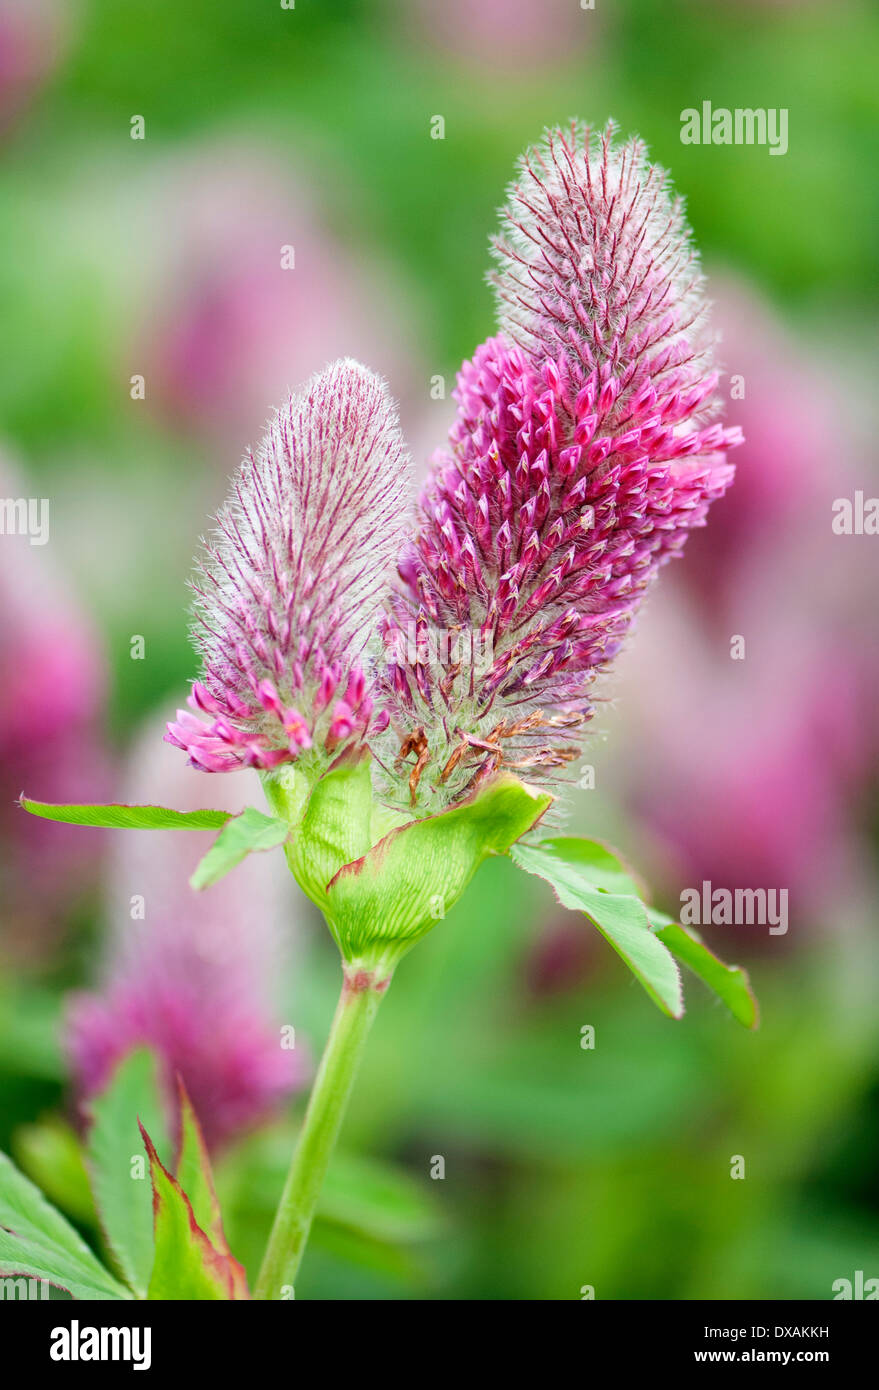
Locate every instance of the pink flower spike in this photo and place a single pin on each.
(584, 450)
(289, 585)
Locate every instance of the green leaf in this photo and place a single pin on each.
(118, 817)
(124, 1200)
(29, 1029)
(729, 982)
(584, 880)
(377, 1200)
(187, 1265)
(36, 1241)
(195, 1176)
(604, 867)
(354, 1251)
(381, 903)
(50, 1153)
(241, 835)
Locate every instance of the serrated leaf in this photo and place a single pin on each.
(575, 869)
(187, 1266)
(196, 1178)
(603, 865)
(729, 982)
(247, 833)
(22, 1258)
(408, 881)
(124, 1201)
(36, 1241)
(119, 817)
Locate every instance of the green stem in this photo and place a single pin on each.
(357, 1007)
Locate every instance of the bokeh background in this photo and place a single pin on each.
(161, 258)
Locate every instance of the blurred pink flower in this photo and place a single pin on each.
(200, 977)
(229, 328)
(33, 39)
(509, 35)
(749, 771)
(789, 416)
(745, 768)
(52, 683)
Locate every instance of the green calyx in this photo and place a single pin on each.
(381, 881)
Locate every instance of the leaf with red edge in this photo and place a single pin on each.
(37, 1242)
(196, 1178)
(187, 1267)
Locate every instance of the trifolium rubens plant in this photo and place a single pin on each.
(412, 682)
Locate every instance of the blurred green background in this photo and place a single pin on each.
(161, 257)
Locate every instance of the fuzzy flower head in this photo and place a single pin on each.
(596, 270)
(585, 448)
(289, 584)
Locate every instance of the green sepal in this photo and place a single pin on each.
(330, 827)
(380, 879)
(381, 903)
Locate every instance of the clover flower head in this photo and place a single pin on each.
(584, 450)
(289, 584)
(595, 267)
